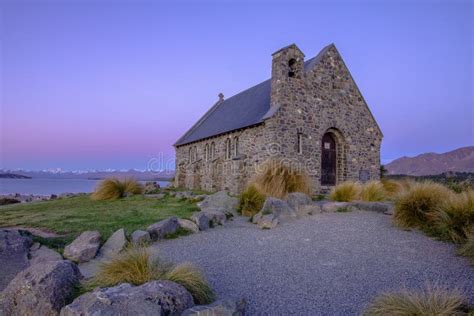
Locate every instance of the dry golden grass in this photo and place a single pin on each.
(193, 280)
(422, 198)
(391, 187)
(467, 249)
(134, 266)
(345, 192)
(432, 301)
(373, 191)
(113, 189)
(277, 179)
(452, 219)
(251, 201)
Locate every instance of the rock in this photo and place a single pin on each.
(140, 237)
(42, 254)
(297, 199)
(184, 194)
(152, 298)
(188, 225)
(201, 220)
(41, 289)
(379, 207)
(279, 208)
(217, 217)
(151, 187)
(225, 307)
(335, 206)
(114, 245)
(84, 247)
(14, 248)
(219, 201)
(162, 228)
(267, 221)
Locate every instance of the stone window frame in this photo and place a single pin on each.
(213, 150)
(228, 148)
(236, 146)
(206, 152)
(292, 67)
(299, 142)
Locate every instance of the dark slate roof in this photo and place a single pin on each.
(247, 108)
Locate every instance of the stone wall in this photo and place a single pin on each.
(322, 99)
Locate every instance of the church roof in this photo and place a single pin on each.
(247, 108)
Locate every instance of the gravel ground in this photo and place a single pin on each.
(325, 264)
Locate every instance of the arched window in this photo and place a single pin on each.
(195, 153)
(213, 150)
(236, 147)
(291, 67)
(206, 152)
(227, 148)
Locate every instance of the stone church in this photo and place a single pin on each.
(309, 114)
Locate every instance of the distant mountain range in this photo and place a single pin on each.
(458, 160)
(94, 174)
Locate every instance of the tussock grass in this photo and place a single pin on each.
(345, 192)
(432, 301)
(276, 178)
(373, 191)
(467, 249)
(193, 280)
(251, 201)
(391, 187)
(113, 189)
(135, 266)
(453, 219)
(413, 206)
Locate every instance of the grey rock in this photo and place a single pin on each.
(151, 187)
(84, 247)
(267, 221)
(184, 194)
(380, 207)
(297, 199)
(162, 228)
(152, 298)
(335, 206)
(216, 217)
(41, 289)
(14, 248)
(140, 237)
(225, 307)
(279, 208)
(114, 245)
(42, 254)
(201, 219)
(188, 225)
(219, 201)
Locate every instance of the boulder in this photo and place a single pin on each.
(14, 248)
(216, 217)
(379, 207)
(297, 199)
(188, 225)
(201, 220)
(335, 206)
(41, 289)
(225, 307)
(84, 247)
(279, 208)
(184, 194)
(140, 237)
(151, 187)
(220, 201)
(42, 254)
(267, 221)
(114, 245)
(162, 228)
(152, 298)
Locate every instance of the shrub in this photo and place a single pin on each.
(454, 218)
(134, 266)
(251, 201)
(467, 249)
(431, 301)
(113, 188)
(345, 192)
(277, 179)
(193, 280)
(373, 191)
(413, 206)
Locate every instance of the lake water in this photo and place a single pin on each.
(50, 186)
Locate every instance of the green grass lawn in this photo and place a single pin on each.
(72, 216)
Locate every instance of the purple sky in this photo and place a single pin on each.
(113, 84)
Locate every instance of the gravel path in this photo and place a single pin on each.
(330, 263)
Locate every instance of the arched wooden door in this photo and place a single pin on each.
(328, 160)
